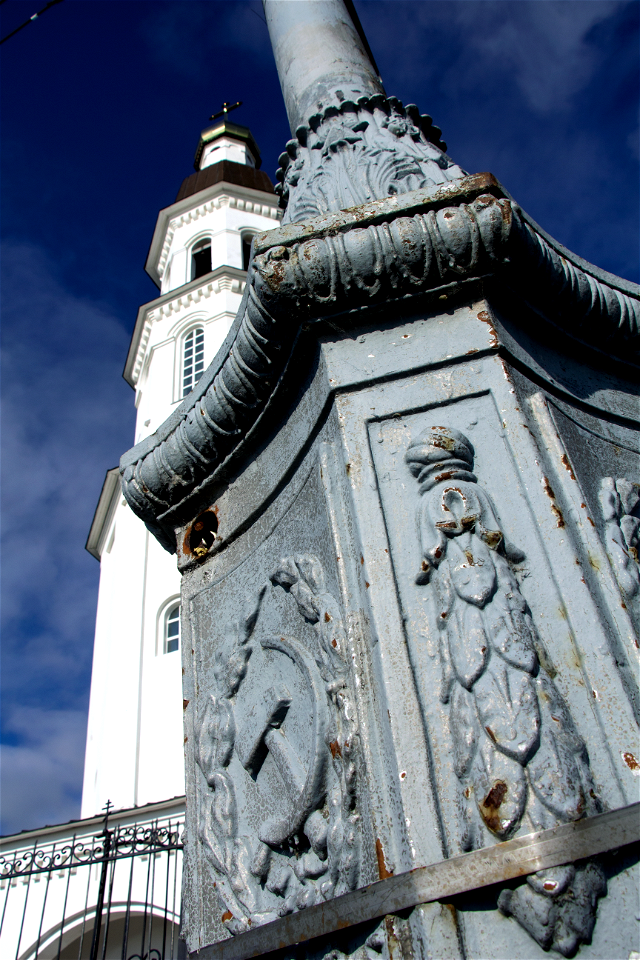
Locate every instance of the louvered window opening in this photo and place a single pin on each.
(193, 360)
(172, 641)
(246, 250)
(201, 261)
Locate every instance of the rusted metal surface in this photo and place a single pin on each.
(200, 535)
(383, 870)
(556, 509)
(563, 844)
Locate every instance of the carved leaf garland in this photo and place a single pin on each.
(517, 752)
(620, 502)
(311, 851)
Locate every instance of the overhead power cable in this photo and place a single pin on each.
(35, 16)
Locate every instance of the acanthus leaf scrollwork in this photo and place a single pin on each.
(518, 755)
(354, 152)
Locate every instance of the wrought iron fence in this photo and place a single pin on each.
(113, 895)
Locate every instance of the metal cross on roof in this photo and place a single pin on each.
(226, 107)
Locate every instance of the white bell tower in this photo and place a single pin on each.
(198, 258)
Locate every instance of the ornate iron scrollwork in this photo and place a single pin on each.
(125, 841)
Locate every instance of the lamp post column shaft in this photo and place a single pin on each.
(318, 52)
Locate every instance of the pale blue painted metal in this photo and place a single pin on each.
(405, 501)
(511, 859)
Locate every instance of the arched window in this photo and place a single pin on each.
(201, 259)
(192, 359)
(246, 249)
(172, 629)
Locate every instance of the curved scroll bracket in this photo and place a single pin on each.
(386, 249)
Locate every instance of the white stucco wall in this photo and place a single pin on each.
(224, 225)
(134, 753)
(134, 738)
(225, 148)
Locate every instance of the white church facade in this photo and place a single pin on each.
(198, 258)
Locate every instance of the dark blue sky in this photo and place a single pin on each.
(102, 104)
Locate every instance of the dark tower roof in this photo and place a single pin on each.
(228, 171)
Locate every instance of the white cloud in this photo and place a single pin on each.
(42, 777)
(67, 417)
(545, 47)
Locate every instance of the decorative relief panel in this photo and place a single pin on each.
(604, 457)
(356, 152)
(517, 752)
(620, 502)
(510, 676)
(277, 741)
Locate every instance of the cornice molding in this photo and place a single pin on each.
(103, 516)
(221, 279)
(146, 812)
(386, 249)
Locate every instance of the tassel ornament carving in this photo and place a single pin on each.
(518, 756)
(620, 502)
